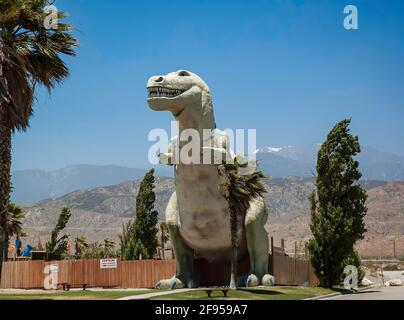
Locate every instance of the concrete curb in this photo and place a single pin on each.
(325, 296)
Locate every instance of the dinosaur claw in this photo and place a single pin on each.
(158, 285)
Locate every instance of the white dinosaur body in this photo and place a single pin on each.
(198, 212)
(204, 221)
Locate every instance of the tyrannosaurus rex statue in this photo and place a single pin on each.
(197, 214)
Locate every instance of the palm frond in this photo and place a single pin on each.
(81, 242)
(16, 88)
(109, 245)
(14, 221)
(30, 54)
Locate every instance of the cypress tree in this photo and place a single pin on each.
(56, 244)
(142, 234)
(337, 206)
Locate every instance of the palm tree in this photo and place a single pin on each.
(81, 245)
(241, 189)
(94, 251)
(109, 247)
(29, 55)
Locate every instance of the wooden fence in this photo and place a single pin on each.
(128, 274)
(293, 272)
(142, 274)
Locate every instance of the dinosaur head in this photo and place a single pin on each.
(177, 91)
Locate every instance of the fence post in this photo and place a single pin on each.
(295, 267)
(272, 256)
(394, 248)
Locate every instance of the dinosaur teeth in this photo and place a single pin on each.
(164, 92)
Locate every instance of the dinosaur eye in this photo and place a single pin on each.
(183, 74)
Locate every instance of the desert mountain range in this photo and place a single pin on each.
(99, 212)
(31, 186)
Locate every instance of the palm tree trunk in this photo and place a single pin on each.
(5, 181)
(233, 268)
(234, 247)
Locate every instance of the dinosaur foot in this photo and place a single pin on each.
(175, 283)
(253, 281)
(268, 280)
(248, 280)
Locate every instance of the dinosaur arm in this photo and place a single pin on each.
(213, 155)
(167, 158)
(220, 151)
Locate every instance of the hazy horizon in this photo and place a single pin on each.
(147, 166)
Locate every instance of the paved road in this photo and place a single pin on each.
(387, 293)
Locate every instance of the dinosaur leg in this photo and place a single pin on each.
(257, 244)
(184, 256)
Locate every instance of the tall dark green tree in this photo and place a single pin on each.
(337, 206)
(30, 54)
(58, 244)
(164, 237)
(142, 235)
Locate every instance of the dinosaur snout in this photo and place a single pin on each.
(155, 80)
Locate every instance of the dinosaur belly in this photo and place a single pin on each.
(203, 211)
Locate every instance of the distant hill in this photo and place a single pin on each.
(301, 161)
(30, 186)
(117, 200)
(384, 219)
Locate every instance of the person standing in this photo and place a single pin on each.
(18, 245)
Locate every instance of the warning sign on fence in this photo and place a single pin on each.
(108, 263)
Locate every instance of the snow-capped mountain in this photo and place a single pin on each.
(270, 149)
(301, 161)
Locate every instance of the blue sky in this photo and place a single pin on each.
(286, 68)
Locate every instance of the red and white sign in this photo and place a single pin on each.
(108, 263)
